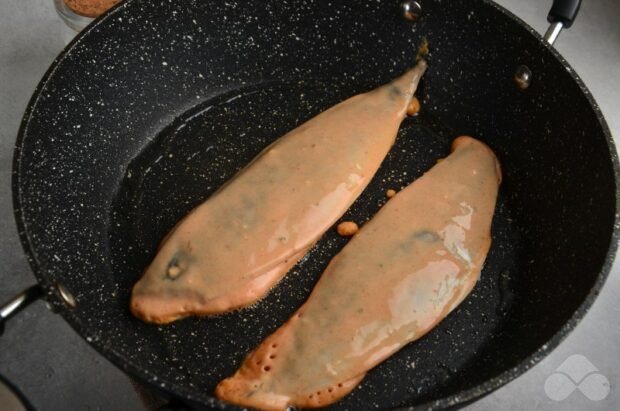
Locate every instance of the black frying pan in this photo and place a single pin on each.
(158, 103)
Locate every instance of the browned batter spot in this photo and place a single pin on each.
(414, 107)
(390, 193)
(347, 228)
(90, 8)
(422, 50)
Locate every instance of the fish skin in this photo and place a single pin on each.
(405, 271)
(232, 249)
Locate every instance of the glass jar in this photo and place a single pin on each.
(78, 14)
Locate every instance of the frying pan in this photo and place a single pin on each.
(155, 105)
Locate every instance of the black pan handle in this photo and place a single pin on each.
(564, 11)
(562, 15)
(19, 302)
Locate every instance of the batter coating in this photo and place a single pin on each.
(406, 269)
(231, 250)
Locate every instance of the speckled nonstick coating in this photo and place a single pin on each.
(158, 103)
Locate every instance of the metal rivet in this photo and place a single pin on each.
(66, 296)
(412, 10)
(523, 77)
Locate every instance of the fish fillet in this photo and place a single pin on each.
(407, 268)
(229, 251)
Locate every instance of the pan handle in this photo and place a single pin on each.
(17, 303)
(562, 15)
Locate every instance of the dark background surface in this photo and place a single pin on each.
(56, 369)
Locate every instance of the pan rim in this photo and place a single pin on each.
(143, 375)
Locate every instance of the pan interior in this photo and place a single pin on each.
(202, 149)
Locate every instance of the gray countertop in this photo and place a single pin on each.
(57, 370)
